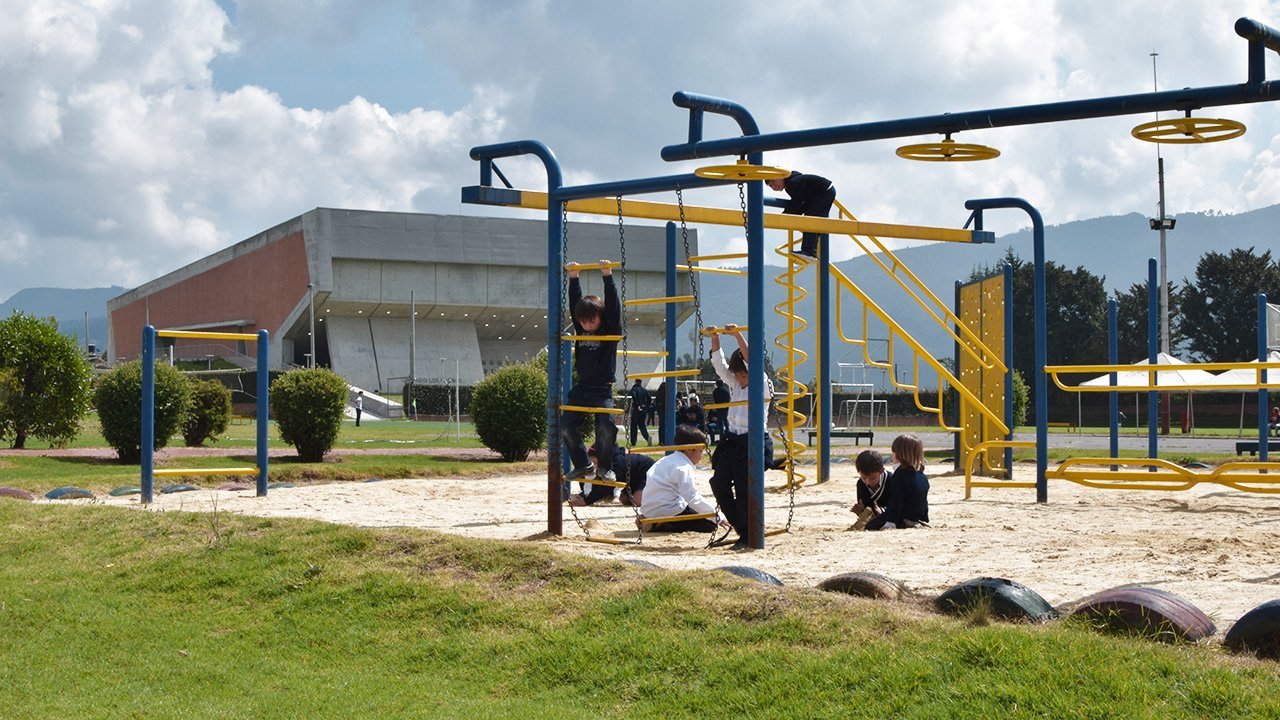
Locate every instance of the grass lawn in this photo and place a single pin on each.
(111, 613)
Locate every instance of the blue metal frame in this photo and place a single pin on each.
(1153, 354)
(147, 441)
(1113, 358)
(1264, 442)
(752, 144)
(1008, 363)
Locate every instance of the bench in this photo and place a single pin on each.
(1252, 447)
(1070, 426)
(855, 434)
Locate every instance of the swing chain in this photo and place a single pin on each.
(564, 258)
(622, 250)
(693, 278)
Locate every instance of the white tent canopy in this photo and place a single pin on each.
(1189, 376)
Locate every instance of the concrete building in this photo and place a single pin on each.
(476, 286)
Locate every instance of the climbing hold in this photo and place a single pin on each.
(751, 573)
(864, 584)
(1147, 612)
(1008, 600)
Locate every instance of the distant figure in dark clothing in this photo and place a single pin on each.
(718, 418)
(872, 488)
(908, 504)
(660, 409)
(692, 413)
(810, 195)
(639, 412)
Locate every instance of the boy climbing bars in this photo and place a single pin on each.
(595, 362)
(810, 195)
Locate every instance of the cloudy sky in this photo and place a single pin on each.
(139, 135)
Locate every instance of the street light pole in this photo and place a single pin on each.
(1164, 227)
(311, 313)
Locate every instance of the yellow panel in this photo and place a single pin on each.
(205, 335)
(982, 311)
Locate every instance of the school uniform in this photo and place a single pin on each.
(810, 195)
(595, 363)
(670, 491)
(730, 461)
(908, 501)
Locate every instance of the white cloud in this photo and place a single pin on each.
(115, 139)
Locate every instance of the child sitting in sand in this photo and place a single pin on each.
(908, 488)
(872, 488)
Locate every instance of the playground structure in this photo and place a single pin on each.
(149, 471)
(608, 199)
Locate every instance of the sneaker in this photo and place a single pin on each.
(582, 472)
(811, 254)
(607, 476)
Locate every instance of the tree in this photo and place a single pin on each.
(119, 402)
(308, 406)
(509, 410)
(1131, 321)
(49, 381)
(1222, 306)
(210, 412)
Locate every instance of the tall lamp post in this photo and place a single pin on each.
(1164, 224)
(311, 313)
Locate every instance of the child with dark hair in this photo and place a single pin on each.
(595, 362)
(670, 492)
(810, 195)
(631, 467)
(908, 504)
(872, 487)
(729, 463)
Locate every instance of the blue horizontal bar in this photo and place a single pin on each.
(664, 183)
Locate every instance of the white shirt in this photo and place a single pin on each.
(669, 489)
(738, 414)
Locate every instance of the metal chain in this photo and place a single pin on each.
(693, 278)
(564, 258)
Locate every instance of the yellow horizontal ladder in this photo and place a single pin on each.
(659, 300)
(660, 449)
(591, 338)
(664, 374)
(587, 409)
(173, 472)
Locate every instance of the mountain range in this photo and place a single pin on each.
(73, 309)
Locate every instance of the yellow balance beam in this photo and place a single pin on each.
(660, 300)
(171, 472)
(724, 216)
(664, 374)
(659, 449)
(591, 410)
(587, 338)
(205, 335)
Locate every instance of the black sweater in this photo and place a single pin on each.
(801, 189)
(908, 499)
(596, 361)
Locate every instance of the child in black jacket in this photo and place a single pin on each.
(908, 504)
(596, 362)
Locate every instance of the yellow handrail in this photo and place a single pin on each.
(950, 320)
(659, 300)
(981, 449)
(1150, 371)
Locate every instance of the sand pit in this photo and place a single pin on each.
(1217, 548)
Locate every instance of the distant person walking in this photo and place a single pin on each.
(359, 406)
(639, 412)
(810, 195)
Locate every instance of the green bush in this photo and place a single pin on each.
(210, 412)
(47, 387)
(119, 401)
(1021, 400)
(509, 409)
(308, 407)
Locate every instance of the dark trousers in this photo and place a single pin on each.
(638, 425)
(662, 428)
(358, 411)
(729, 479)
(606, 429)
(817, 206)
(700, 525)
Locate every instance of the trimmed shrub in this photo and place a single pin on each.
(210, 412)
(119, 401)
(308, 406)
(509, 410)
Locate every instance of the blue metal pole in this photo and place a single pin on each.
(755, 320)
(1153, 355)
(669, 387)
(1008, 361)
(1113, 357)
(148, 438)
(1263, 441)
(824, 359)
(1042, 343)
(263, 412)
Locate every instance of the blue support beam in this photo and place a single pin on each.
(1153, 355)
(1113, 358)
(1263, 416)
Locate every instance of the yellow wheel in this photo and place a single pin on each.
(947, 151)
(1187, 130)
(740, 171)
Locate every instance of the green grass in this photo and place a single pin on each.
(117, 613)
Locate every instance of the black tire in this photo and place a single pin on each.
(864, 584)
(1257, 632)
(642, 564)
(177, 488)
(16, 494)
(280, 485)
(1146, 612)
(234, 487)
(68, 492)
(751, 573)
(125, 490)
(1008, 600)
